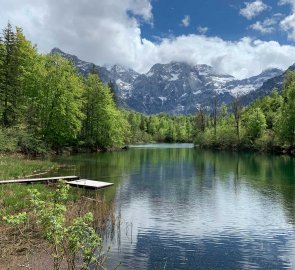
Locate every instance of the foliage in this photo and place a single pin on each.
(30, 145)
(8, 140)
(255, 123)
(266, 124)
(103, 126)
(285, 125)
(58, 101)
(159, 128)
(76, 242)
(50, 106)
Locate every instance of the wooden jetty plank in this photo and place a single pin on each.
(38, 180)
(89, 184)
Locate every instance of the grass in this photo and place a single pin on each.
(19, 248)
(14, 166)
(14, 197)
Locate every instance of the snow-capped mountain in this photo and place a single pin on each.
(181, 88)
(267, 87)
(176, 87)
(124, 78)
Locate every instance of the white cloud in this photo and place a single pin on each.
(202, 29)
(284, 2)
(186, 21)
(267, 26)
(288, 23)
(104, 32)
(242, 58)
(253, 9)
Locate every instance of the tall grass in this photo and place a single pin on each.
(13, 197)
(15, 166)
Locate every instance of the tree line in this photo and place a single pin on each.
(46, 104)
(160, 128)
(266, 124)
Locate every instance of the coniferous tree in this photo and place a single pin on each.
(9, 75)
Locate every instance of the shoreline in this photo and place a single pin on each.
(277, 150)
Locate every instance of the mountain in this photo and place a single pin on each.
(267, 87)
(179, 88)
(124, 79)
(112, 75)
(175, 88)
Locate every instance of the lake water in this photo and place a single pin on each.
(183, 208)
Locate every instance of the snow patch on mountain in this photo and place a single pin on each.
(175, 87)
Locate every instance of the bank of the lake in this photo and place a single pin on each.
(25, 244)
(16, 166)
(13, 197)
(185, 208)
(256, 148)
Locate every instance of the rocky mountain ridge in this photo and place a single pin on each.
(176, 87)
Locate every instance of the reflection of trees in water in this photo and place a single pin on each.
(179, 179)
(173, 169)
(272, 175)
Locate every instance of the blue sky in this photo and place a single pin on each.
(221, 17)
(241, 38)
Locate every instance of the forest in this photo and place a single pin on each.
(268, 124)
(46, 105)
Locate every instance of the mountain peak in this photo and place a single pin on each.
(271, 71)
(56, 50)
(175, 87)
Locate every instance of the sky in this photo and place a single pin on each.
(240, 38)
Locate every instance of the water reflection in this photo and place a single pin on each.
(192, 209)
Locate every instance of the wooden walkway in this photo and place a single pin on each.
(89, 184)
(71, 180)
(38, 180)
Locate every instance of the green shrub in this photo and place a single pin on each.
(8, 140)
(75, 242)
(30, 145)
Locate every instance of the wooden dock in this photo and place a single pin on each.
(89, 184)
(38, 180)
(71, 180)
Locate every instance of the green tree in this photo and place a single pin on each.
(103, 125)
(237, 115)
(286, 121)
(255, 123)
(56, 101)
(9, 77)
(17, 57)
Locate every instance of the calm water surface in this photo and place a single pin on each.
(183, 208)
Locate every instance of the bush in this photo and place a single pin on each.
(30, 145)
(74, 241)
(8, 140)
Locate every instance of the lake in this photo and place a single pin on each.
(184, 208)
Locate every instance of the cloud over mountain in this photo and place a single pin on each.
(109, 32)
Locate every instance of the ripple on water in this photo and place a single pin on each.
(185, 209)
